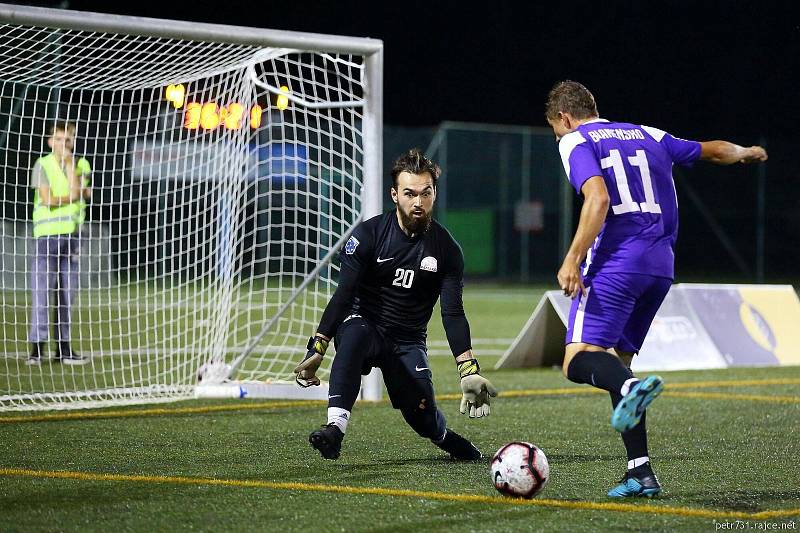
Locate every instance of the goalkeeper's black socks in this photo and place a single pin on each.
(345, 379)
(602, 370)
(459, 448)
(635, 439)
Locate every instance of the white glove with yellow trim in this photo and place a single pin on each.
(306, 371)
(475, 389)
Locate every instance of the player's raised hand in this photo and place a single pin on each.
(306, 371)
(475, 390)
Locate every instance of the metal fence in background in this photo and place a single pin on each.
(504, 196)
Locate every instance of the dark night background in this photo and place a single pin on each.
(700, 70)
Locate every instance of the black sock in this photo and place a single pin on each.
(636, 439)
(599, 369)
(345, 380)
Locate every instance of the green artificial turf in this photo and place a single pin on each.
(727, 455)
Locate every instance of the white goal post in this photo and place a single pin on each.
(222, 167)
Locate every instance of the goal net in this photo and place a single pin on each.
(222, 168)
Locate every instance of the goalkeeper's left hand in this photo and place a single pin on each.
(475, 389)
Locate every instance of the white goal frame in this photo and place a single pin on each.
(372, 131)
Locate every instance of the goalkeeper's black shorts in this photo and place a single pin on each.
(405, 367)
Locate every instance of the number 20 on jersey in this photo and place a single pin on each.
(403, 277)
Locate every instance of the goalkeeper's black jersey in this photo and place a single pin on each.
(394, 280)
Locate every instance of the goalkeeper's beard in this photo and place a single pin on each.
(414, 224)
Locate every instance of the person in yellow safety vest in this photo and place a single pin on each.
(61, 187)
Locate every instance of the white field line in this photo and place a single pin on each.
(435, 348)
(113, 301)
(533, 297)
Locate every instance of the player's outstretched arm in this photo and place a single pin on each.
(475, 389)
(727, 153)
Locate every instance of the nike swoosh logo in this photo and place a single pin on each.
(334, 396)
(384, 260)
(418, 369)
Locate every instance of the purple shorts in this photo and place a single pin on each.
(616, 310)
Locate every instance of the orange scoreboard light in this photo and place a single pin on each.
(209, 115)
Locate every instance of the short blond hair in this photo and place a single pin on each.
(63, 125)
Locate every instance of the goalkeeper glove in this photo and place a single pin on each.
(475, 389)
(305, 373)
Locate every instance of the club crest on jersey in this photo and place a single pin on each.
(429, 264)
(350, 247)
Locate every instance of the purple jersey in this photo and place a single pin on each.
(636, 163)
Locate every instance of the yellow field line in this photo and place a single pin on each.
(523, 393)
(518, 393)
(726, 396)
(734, 383)
(403, 493)
(670, 392)
(160, 411)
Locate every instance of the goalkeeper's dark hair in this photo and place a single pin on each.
(415, 162)
(570, 97)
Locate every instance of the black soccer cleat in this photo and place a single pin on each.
(37, 350)
(327, 440)
(639, 481)
(459, 448)
(65, 354)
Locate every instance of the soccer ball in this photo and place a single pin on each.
(520, 469)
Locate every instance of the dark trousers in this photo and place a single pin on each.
(54, 271)
(406, 373)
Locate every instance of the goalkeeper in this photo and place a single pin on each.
(393, 269)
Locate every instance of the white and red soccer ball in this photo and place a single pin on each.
(520, 469)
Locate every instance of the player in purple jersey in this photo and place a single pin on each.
(621, 261)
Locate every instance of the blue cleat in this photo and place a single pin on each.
(640, 481)
(629, 410)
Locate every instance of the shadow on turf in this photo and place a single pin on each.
(742, 500)
(552, 458)
(430, 460)
(594, 458)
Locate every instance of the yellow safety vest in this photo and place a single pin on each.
(63, 219)
(83, 169)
